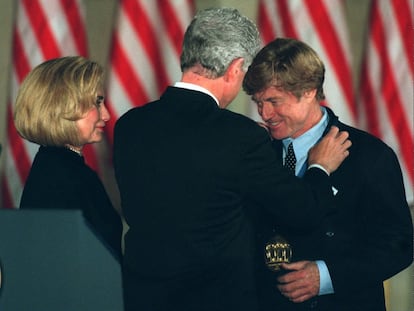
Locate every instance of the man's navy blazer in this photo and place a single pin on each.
(366, 239)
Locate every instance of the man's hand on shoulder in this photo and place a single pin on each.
(331, 151)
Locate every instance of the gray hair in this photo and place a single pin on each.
(216, 37)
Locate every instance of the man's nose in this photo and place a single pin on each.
(267, 111)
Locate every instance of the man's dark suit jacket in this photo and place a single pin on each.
(186, 170)
(366, 239)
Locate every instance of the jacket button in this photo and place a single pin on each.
(330, 234)
(314, 304)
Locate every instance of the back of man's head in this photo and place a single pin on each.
(215, 38)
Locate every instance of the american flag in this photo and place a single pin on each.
(386, 85)
(43, 29)
(321, 24)
(145, 54)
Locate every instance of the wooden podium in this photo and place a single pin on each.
(52, 260)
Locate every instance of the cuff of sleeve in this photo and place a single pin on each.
(325, 282)
(318, 166)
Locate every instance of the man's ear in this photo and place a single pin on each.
(310, 94)
(234, 69)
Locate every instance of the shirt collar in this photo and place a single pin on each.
(307, 140)
(195, 87)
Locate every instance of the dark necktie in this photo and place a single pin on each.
(290, 159)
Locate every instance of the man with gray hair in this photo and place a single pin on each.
(188, 169)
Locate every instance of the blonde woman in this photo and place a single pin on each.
(60, 106)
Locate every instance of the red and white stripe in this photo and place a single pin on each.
(321, 24)
(145, 53)
(43, 29)
(386, 85)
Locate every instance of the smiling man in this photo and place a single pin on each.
(368, 236)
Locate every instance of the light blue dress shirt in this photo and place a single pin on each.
(301, 145)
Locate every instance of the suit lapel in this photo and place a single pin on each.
(278, 147)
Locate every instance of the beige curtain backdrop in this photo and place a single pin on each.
(100, 16)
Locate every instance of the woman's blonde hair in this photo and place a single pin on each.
(53, 96)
